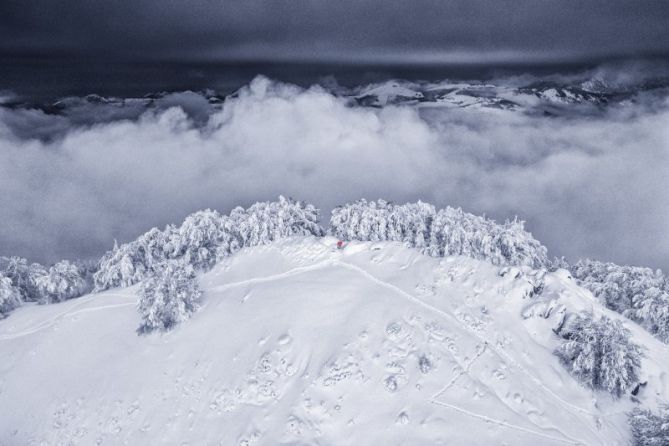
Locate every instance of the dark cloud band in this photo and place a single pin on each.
(432, 31)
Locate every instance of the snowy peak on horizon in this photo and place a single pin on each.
(410, 350)
(587, 93)
(533, 97)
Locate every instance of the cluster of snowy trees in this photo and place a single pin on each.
(10, 296)
(439, 233)
(168, 297)
(649, 429)
(23, 276)
(21, 282)
(599, 353)
(204, 238)
(64, 280)
(640, 294)
(166, 261)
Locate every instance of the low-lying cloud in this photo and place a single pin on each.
(595, 186)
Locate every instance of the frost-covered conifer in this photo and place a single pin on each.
(62, 281)
(168, 297)
(649, 429)
(10, 296)
(599, 353)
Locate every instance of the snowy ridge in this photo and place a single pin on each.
(586, 92)
(533, 96)
(300, 343)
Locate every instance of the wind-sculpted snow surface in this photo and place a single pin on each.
(298, 342)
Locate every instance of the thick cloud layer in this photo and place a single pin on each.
(595, 186)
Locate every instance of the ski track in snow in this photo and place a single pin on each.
(292, 272)
(484, 345)
(464, 371)
(351, 267)
(487, 419)
(74, 310)
(438, 311)
(70, 312)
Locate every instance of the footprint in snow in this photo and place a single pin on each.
(402, 419)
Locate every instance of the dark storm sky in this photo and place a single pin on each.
(430, 31)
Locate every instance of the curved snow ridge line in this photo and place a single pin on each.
(291, 272)
(566, 440)
(50, 322)
(443, 313)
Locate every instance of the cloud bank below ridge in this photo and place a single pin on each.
(591, 186)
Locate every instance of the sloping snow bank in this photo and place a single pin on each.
(300, 343)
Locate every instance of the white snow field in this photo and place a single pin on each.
(299, 343)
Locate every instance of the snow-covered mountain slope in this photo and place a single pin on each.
(535, 97)
(300, 343)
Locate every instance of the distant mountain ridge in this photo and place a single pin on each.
(534, 95)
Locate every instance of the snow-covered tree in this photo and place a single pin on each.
(10, 296)
(62, 281)
(205, 237)
(455, 232)
(412, 223)
(198, 238)
(361, 220)
(168, 297)
(559, 263)
(23, 276)
(649, 429)
(638, 293)
(618, 286)
(439, 233)
(599, 353)
(381, 220)
(265, 222)
(131, 262)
